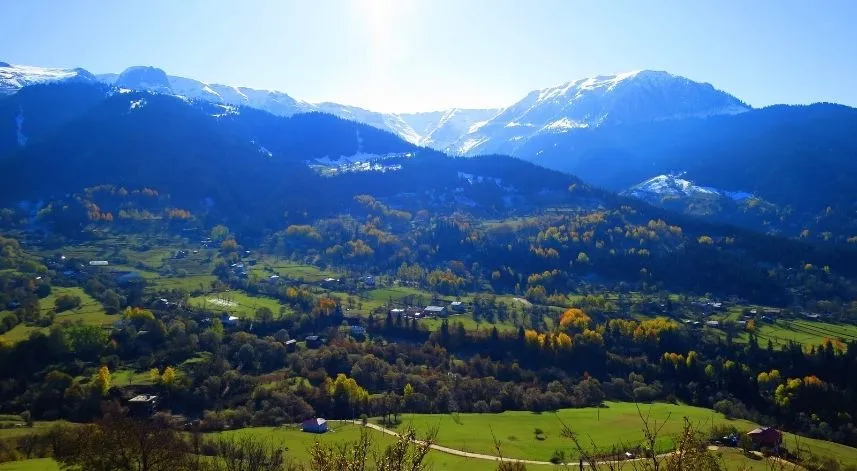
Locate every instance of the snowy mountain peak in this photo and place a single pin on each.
(144, 78)
(658, 187)
(15, 77)
(630, 97)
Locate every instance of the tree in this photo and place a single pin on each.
(245, 453)
(102, 380)
(408, 453)
(120, 444)
(575, 319)
(264, 314)
(219, 232)
(169, 376)
(65, 302)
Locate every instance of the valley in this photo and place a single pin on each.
(215, 268)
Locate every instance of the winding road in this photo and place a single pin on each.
(480, 456)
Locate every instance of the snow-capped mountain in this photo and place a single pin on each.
(148, 79)
(275, 102)
(15, 77)
(641, 96)
(657, 188)
(155, 80)
(441, 129)
(386, 121)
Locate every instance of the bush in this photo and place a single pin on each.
(64, 302)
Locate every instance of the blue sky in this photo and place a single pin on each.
(418, 55)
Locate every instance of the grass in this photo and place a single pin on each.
(805, 332)
(235, 302)
(39, 464)
(89, 312)
(617, 424)
(299, 444)
(295, 271)
(469, 323)
(127, 377)
(8, 429)
(187, 283)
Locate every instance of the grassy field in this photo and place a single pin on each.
(299, 443)
(40, 464)
(127, 377)
(236, 303)
(9, 428)
(617, 424)
(188, 283)
(805, 332)
(294, 271)
(89, 312)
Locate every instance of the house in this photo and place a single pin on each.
(368, 280)
(437, 311)
(456, 306)
(314, 341)
(291, 345)
(767, 437)
(229, 320)
(397, 312)
(143, 405)
(98, 263)
(315, 425)
(712, 323)
(329, 282)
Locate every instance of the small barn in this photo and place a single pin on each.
(456, 306)
(314, 425)
(435, 311)
(767, 437)
(143, 405)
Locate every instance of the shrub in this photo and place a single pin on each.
(64, 302)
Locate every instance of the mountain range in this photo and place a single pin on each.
(632, 133)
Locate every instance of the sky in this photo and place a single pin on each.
(422, 55)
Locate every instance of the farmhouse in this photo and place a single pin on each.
(291, 344)
(456, 306)
(767, 437)
(437, 311)
(330, 282)
(315, 425)
(143, 405)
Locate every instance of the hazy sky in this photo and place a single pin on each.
(417, 55)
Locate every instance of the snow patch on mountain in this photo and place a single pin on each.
(137, 104)
(226, 110)
(658, 187)
(564, 124)
(15, 77)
